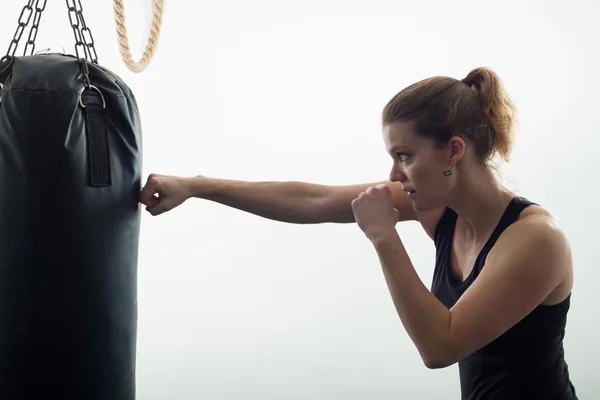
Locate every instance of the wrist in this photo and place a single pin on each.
(201, 187)
(383, 237)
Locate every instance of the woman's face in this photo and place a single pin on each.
(421, 166)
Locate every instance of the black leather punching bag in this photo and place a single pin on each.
(70, 163)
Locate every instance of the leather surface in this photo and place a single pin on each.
(68, 250)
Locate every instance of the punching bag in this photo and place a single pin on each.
(70, 164)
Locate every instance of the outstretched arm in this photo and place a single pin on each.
(290, 201)
(287, 201)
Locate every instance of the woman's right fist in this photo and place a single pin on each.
(162, 193)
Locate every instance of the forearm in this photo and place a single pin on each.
(293, 202)
(425, 318)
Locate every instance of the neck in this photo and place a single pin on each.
(479, 201)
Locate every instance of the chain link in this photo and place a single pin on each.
(88, 40)
(34, 27)
(84, 40)
(12, 48)
(80, 29)
(81, 41)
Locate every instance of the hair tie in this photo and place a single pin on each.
(473, 86)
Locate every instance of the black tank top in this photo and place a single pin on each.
(527, 361)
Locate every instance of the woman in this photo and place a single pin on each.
(503, 274)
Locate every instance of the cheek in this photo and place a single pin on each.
(426, 177)
(417, 172)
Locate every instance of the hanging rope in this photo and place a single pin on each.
(157, 14)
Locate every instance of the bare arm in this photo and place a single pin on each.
(294, 202)
(529, 262)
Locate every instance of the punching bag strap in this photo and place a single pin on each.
(97, 138)
(95, 116)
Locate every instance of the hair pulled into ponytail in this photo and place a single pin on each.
(476, 108)
(498, 111)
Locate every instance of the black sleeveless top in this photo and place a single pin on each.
(527, 361)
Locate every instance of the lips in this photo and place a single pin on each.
(410, 192)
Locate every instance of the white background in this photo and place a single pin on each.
(233, 306)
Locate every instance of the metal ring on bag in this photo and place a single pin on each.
(8, 60)
(1, 87)
(97, 90)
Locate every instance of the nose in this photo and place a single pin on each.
(396, 175)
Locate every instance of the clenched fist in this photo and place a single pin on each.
(162, 193)
(374, 212)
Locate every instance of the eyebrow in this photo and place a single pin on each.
(398, 147)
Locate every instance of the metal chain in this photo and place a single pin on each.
(79, 30)
(34, 27)
(12, 48)
(84, 40)
(89, 40)
(81, 41)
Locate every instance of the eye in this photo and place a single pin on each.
(402, 156)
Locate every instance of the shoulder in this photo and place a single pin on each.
(535, 230)
(535, 247)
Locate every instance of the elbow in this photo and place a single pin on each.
(443, 352)
(438, 360)
(435, 363)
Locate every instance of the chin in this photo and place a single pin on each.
(423, 205)
(418, 208)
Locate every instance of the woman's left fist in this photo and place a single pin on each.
(374, 212)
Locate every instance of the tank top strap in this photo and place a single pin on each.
(447, 221)
(511, 215)
(445, 226)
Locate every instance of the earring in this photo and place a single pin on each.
(448, 172)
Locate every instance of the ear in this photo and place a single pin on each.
(457, 147)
